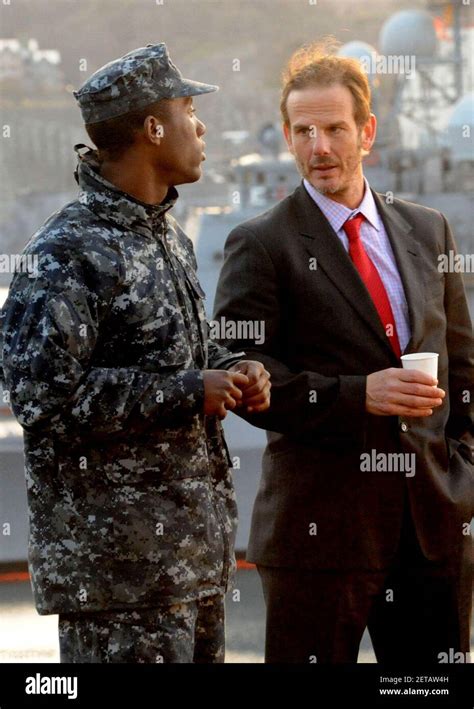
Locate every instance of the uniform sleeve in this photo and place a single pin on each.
(50, 328)
(248, 289)
(219, 357)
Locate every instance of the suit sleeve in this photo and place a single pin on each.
(50, 328)
(460, 344)
(302, 402)
(222, 358)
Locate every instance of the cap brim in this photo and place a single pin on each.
(188, 87)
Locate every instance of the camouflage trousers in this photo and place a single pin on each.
(184, 632)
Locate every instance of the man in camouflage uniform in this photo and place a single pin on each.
(119, 392)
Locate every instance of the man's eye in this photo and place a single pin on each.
(192, 110)
(336, 129)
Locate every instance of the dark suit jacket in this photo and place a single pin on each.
(315, 507)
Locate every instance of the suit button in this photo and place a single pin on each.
(404, 427)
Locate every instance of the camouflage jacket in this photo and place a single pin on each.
(130, 496)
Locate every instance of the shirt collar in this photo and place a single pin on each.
(110, 203)
(337, 214)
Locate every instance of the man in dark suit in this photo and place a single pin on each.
(363, 512)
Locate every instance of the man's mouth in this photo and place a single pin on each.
(324, 168)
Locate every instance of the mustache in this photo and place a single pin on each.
(323, 162)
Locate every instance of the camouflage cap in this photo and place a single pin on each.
(137, 79)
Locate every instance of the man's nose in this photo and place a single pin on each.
(201, 128)
(321, 145)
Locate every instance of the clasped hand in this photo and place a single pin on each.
(245, 384)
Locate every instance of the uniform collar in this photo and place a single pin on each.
(113, 205)
(337, 214)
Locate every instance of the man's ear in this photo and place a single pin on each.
(153, 129)
(288, 138)
(369, 131)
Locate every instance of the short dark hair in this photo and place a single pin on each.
(114, 136)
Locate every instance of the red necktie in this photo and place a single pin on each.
(372, 280)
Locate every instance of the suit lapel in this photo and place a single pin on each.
(322, 242)
(407, 256)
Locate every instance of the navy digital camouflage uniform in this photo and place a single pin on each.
(131, 501)
(184, 632)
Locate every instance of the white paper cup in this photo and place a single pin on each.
(422, 361)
